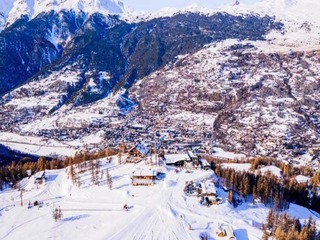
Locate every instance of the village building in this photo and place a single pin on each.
(40, 177)
(137, 153)
(192, 156)
(144, 177)
(176, 159)
(204, 164)
(208, 188)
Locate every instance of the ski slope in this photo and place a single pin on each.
(161, 211)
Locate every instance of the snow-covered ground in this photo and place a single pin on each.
(237, 166)
(219, 152)
(272, 169)
(36, 145)
(161, 211)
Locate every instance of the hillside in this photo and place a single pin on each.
(242, 78)
(160, 211)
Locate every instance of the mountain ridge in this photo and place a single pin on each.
(68, 75)
(33, 8)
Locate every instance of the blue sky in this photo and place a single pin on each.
(155, 5)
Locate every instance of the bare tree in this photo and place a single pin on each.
(109, 180)
(119, 157)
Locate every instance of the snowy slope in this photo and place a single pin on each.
(32, 8)
(159, 212)
(301, 20)
(5, 7)
(35, 145)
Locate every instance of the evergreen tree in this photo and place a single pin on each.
(230, 196)
(279, 233)
(71, 168)
(292, 234)
(266, 234)
(312, 229)
(270, 219)
(303, 234)
(41, 163)
(246, 187)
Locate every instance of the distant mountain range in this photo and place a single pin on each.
(62, 59)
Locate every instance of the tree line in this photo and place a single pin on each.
(270, 189)
(14, 172)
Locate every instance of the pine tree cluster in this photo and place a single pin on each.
(283, 227)
(16, 171)
(272, 190)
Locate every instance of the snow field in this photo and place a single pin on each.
(161, 211)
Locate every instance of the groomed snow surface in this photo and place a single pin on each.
(160, 211)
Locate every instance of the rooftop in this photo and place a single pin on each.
(173, 158)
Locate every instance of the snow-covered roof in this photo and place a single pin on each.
(237, 166)
(173, 158)
(142, 148)
(139, 126)
(144, 172)
(204, 162)
(40, 174)
(208, 187)
(219, 152)
(302, 179)
(273, 169)
(191, 154)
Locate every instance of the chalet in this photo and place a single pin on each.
(176, 159)
(144, 177)
(40, 177)
(138, 150)
(208, 188)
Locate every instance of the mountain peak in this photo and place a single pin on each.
(12, 10)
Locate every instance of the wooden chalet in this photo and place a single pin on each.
(137, 153)
(138, 150)
(176, 159)
(144, 177)
(208, 188)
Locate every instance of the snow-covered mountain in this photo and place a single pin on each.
(12, 11)
(77, 67)
(5, 7)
